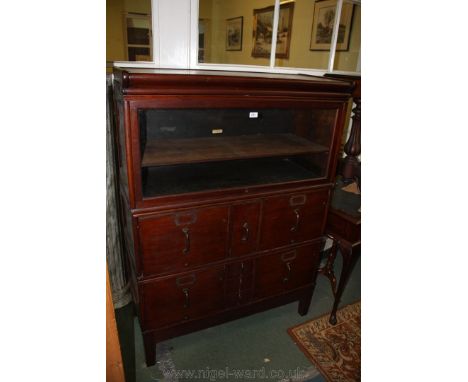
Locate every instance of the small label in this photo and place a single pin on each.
(169, 129)
(253, 114)
(217, 131)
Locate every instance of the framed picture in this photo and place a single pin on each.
(263, 31)
(322, 25)
(201, 40)
(234, 28)
(137, 37)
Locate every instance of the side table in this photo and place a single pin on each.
(344, 228)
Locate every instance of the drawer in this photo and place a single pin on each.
(244, 228)
(178, 299)
(347, 228)
(239, 278)
(176, 241)
(289, 219)
(284, 271)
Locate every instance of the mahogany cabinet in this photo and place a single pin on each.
(225, 182)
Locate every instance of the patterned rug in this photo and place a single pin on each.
(334, 350)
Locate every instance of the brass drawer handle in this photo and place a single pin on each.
(186, 232)
(295, 227)
(245, 235)
(187, 298)
(288, 267)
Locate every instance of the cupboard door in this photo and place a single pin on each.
(176, 241)
(177, 299)
(289, 219)
(244, 229)
(284, 271)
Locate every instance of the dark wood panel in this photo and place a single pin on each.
(182, 298)
(229, 314)
(289, 219)
(344, 226)
(280, 272)
(177, 241)
(239, 283)
(245, 219)
(157, 81)
(211, 149)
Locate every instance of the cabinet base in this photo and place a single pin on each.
(151, 338)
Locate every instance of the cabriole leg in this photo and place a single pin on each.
(350, 255)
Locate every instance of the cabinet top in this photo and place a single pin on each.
(171, 81)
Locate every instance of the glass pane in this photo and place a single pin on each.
(226, 28)
(138, 30)
(128, 30)
(193, 150)
(306, 36)
(348, 50)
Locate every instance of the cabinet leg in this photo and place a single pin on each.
(350, 255)
(150, 349)
(304, 302)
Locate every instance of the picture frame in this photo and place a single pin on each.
(234, 28)
(263, 25)
(322, 25)
(137, 37)
(201, 40)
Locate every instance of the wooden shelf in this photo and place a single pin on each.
(183, 178)
(199, 150)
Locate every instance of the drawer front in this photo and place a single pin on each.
(344, 228)
(244, 229)
(284, 271)
(174, 242)
(293, 218)
(239, 279)
(179, 299)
